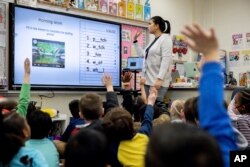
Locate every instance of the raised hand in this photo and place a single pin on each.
(138, 33)
(201, 40)
(126, 77)
(142, 81)
(107, 82)
(158, 83)
(27, 66)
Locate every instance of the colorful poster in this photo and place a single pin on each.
(180, 47)
(48, 1)
(124, 63)
(27, 2)
(113, 7)
(128, 33)
(248, 79)
(237, 40)
(2, 16)
(92, 5)
(126, 42)
(243, 79)
(131, 9)
(126, 49)
(122, 8)
(234, 59)
(103, 6)
(245, 54)
(247, 41)
(80, 4)
(139, 12)
(147, 13)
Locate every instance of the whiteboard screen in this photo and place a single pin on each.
(65, 50)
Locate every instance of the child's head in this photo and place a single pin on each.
(40, 124)
(242, 101)
(191, 110)
(31, 107)
(118, 124)
(139, 103)
(163, 118)
(178, 145)
(140, 111)
(176, 110)
(74, 108)
(14, 131)
(91, 106)
(87, 148)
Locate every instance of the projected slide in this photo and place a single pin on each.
(65, 50)
(48, 53)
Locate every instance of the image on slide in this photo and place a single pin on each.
(47, 53)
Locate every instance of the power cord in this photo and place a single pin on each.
(46, 96)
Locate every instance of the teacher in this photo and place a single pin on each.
(157, 56)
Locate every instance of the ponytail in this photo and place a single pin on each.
(167, 29)
(164, 25)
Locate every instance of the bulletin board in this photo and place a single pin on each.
(128, 33)
(239, 57)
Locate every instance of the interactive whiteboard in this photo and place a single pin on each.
(66, 51)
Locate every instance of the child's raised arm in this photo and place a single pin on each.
(24, 97)
(213, 117)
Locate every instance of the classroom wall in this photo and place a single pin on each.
(178, 12)
(227, 16)
(168, 9)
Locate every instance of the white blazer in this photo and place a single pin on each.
(159, 60)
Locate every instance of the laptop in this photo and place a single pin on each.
(135, 63)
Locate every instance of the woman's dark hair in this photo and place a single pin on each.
(11, 135)
(87, 148)
(162, 24)
(178, 145)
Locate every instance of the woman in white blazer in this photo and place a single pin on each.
(157, 56)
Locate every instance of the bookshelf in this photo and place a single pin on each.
(91, 14)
